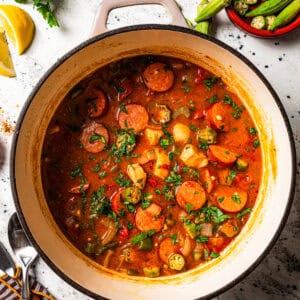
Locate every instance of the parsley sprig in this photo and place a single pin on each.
(44, 7)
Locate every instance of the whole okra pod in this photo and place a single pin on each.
(211, 9)
(286, 15)
(203, 26)
(268, 8)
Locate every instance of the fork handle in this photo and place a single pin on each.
(25, 290)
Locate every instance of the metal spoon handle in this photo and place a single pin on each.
(25, 291)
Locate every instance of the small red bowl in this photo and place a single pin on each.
(244, 25)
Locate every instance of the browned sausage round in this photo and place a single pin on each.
(97, 104)
(134, 116)
(158, 77)
(94, 137)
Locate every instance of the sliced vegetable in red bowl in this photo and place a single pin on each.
(265, 19)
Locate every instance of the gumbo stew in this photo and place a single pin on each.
(151, 166)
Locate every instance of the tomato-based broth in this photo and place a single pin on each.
(151, 166)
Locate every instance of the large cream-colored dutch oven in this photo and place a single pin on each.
(278, 176)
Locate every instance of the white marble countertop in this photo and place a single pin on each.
(278, 276)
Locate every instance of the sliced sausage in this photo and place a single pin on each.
(98, 103)
(94, 137)
(158, 77)
(134, 116)
(221, 155)
(149, 218)
(166, 249)
(230, 199)
(218, 117)
(190, 195)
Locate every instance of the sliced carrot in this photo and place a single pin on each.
(190, 195)
(208, 179)
(98, 103)
(158, 77)
(230, 199)
(218, 118)
(78, 189)
(94, 137)
(221, 155)
(134, 116)
(116, 202)
(167, 248)
(149, 218)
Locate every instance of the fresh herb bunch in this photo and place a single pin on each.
(44, 8)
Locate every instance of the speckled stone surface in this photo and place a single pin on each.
(278, 276)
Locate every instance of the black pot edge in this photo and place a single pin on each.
(136, 28)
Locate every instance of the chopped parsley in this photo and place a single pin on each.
(202, 239)
(192, 127)
(210, 82)
(125, 143)
(236, 198)
(236, 113)
(189, 207)
(142, 236)
(231, 176)
(123, 108)
(214, 254)
(213, 99)
(174, 178)
(97, 137)
(256, 143)
(203, 144)
(221, 199)
(252, 130)
(122, 180)
(214, 213)
(96, 169)
(186, 89)
(99, 203)
(173, 238)
(145, 203)
(244, 212)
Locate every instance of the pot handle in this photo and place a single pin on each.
(107, 5)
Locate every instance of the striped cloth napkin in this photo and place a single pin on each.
(10, 288)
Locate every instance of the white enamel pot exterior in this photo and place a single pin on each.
(278, 176)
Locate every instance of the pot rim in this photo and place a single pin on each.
(95, 39)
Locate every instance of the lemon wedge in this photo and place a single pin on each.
(17, 25)
(6, 65)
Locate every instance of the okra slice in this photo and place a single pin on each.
(250, 2)
(151, 271)
(176, 262)
(240, 7)
(258, 22)
(270, 20)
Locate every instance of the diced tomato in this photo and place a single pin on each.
(164, 166)
(123, 233)
(201, 75)
(153, 182)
